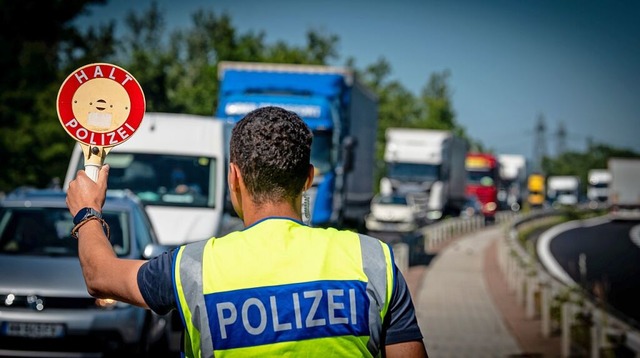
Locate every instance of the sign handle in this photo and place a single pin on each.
(92, 171)
(93, 159)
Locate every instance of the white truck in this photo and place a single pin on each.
(598, 186)
(513, 178)
(563, 190)
(428, 165)
(176, 164)
(624, 191)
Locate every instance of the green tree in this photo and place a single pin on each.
(180, 75)
(436, 108)
(144, 54)
(397, 106)
(36, 59)
(193, 80)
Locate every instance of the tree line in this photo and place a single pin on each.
(177, 70)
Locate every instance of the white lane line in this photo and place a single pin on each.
(544, 252)
(634, 234)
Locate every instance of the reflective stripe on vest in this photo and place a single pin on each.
(191, 267)
(374, 261)
(334, 310)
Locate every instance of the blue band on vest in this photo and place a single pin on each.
(293, 312)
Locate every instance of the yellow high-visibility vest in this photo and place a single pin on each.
(281, 288)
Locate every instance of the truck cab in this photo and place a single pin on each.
(598, 187)
(428, 166)
(512, 181)
(536, 191)
(563, 190)
(483, 180)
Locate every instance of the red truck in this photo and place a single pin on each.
(483, 175)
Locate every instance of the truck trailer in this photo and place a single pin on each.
(624, 191)
(340, 111)
(427, 166)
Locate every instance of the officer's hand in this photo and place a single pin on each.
(84, 192)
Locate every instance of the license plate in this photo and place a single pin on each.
(33, 330)
(389, 227)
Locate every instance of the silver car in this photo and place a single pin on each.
(45, 310)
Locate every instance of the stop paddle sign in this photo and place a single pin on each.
(100, 105)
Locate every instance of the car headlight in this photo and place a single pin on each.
(434, 215)
(490, 206)
(108, 303)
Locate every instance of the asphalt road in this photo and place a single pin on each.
(603, 256)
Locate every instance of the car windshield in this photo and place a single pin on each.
(413, 171)
(475, 176)
(166, 180)
(46, 231)
(392, 199)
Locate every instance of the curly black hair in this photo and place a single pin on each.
(272, 148)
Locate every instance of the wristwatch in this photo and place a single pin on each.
(85, 213)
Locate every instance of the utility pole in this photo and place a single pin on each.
(539, 144)
(561, 145)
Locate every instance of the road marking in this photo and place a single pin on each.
(634, 234)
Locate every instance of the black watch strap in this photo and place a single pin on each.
(84, 214)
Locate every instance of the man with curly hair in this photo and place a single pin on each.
(278, 287)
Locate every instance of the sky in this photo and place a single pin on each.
(575, 63)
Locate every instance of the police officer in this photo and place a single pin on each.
(277, 287)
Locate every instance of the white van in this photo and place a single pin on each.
(176, 164)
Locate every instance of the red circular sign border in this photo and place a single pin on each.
(131, 86)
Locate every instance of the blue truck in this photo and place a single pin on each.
(341, 112)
